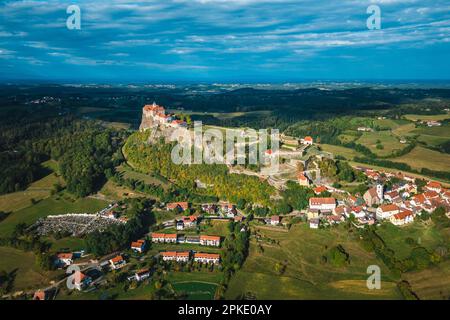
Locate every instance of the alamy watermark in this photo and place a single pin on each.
(373, 22)
(73, 22)
(226, 146)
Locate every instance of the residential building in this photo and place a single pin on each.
(117, 262)
(403, 217)
(322, 204)
(314, 223)
(303, 180)
(182, 206)
(275, 220)
(386, 211)
(374, 196)
(81, 281)
(433, 186)
(138, 246)
(64, 259)
(142, 274)
(210, 240)
(182, 256)
(207, 257)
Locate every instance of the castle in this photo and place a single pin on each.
(154, 115)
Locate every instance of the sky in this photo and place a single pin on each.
(224, 40)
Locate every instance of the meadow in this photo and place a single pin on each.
(24, 269)
(306, 275)
(36, 191)
(385, 138)
(421, 157)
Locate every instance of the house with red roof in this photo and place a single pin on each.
(181, 256)
(303, 180)
(274, 220)
(117, 262)
(433, 186)
(209, 240)
(403, 217)
(322, 204)
(207, 257)
(138, 246)
(308, 140)
(64, 259)
(81, 281)
(386, 211)
(319, 189)
(182, 206)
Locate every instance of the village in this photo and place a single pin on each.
(394, 198)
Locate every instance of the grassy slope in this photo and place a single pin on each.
(306, 276)
(38, 190)
(23, 266)
(421, 157)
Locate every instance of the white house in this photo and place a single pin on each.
(403, 217)
(386, 211)
(64, 259)
(142, 274)
(117, 262)
(210, 240)
(206, 257)
(138, 246)
(81, 281)
(322, 204)
(175, 256)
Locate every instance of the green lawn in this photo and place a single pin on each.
(37, 190)
(436, 117)
(306, 275)
(49, 206)
(394, 237)
(347, 153)
(23, 266)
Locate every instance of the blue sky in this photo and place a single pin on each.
(224, 40)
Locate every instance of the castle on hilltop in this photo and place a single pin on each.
(154, 115)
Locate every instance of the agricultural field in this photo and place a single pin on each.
(432, 283)
(306, 275)
(23, 266)
(389, 142)
(37, 190)
(111, 191)
(58, 204)
(422, 233)
(347, 153)
(435, 117)
(421, 157)
(130, 173)
(443, 131)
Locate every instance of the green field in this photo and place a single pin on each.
(49, 206)
(388, 140)
(130, 173)
(22, 265)
(306, 275)
(436, 117)
(198, 285)
(421, 157)
(443, 131)
(432, 283)
(37, 190)
(347, 153)
(425, 235)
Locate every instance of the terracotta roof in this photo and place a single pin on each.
(308, 138)
(206, 255)
(389, 207)
(117, 259)
(137, 244)
(434, 185)
(320, 189)
(320, 201)
(431, 194)
(275, 218)
(212, 238)
(173, 205)
(403, 214)
(301, 176)
(65, 255)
